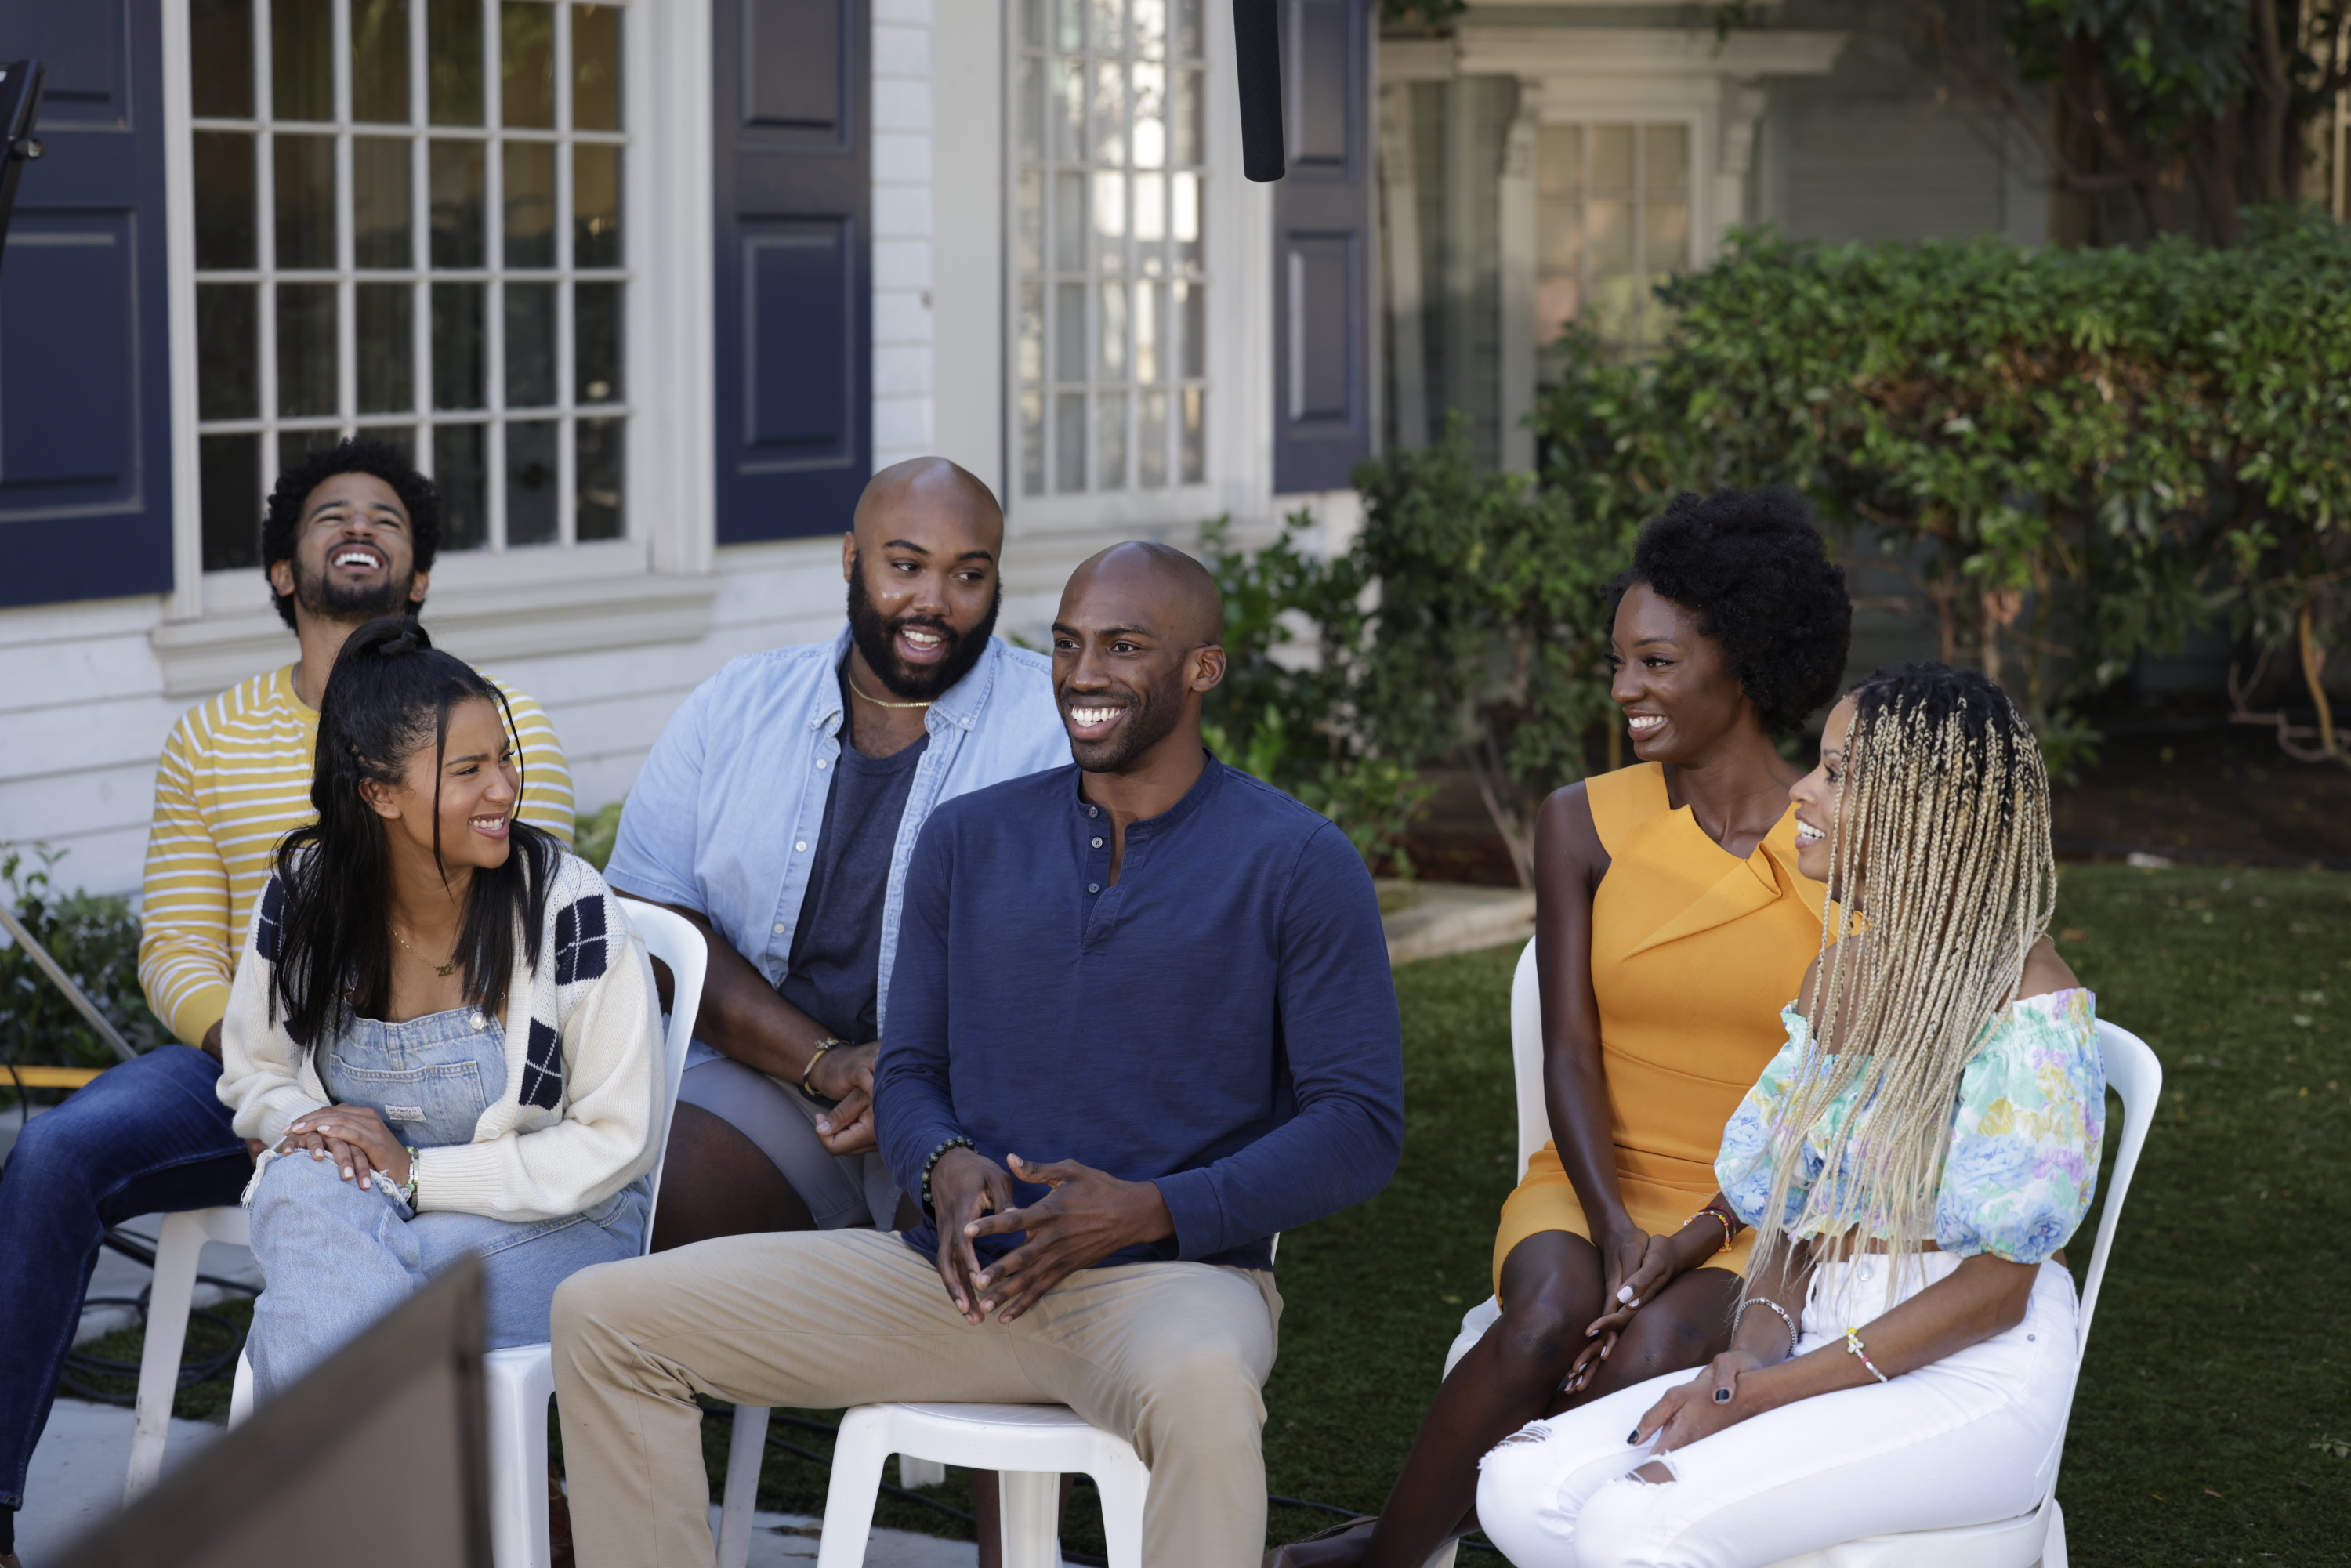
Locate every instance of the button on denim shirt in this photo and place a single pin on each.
(725, 816)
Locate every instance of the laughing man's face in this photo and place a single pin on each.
(355, 555)
(1120, 669)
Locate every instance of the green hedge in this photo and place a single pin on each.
(2075, 456)
(95, 939)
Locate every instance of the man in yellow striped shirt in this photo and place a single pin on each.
(349, 535)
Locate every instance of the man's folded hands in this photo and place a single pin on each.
(1086, 1216)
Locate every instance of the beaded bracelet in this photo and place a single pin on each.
(932, 1163)
(1852, 1343)
(1710, 1212)
(408, 1193)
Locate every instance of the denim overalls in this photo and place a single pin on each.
(336, 1256)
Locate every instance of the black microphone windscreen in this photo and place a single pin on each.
(1257, 60)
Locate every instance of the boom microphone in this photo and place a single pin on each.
(20, 111)
(1256, 60)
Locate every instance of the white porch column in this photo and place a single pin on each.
(1400, 207)
(1743, 102)
(1516, 225)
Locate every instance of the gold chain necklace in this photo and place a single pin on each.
(877, 702)
(444, 970)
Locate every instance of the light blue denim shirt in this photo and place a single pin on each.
(725, 816)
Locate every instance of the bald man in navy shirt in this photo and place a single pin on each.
(1141, 1023)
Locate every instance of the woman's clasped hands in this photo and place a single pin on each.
(355, 1138)
(1639, 1266)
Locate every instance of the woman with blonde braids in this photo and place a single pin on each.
(1911, 1161)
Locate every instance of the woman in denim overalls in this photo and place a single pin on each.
(442, 1036)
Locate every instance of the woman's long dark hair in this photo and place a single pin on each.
(388, 699)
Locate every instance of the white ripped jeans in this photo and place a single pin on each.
(1969, 1439)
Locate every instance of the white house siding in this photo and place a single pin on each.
(84, 714)
(82, 718)
(1883, 150)
(83, 709)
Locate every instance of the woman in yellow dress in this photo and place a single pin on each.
(1671, 924)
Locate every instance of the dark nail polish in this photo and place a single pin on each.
(1722, 1397)
(1634, 1436)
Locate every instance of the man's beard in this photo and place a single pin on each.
(878, 639)
(1152, 714)
(326, 601)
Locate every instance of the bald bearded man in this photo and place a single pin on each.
(779, 812)
(1141, 1022)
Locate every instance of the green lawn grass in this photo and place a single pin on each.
(2211, 1420)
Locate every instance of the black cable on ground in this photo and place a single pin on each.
(80, 1365)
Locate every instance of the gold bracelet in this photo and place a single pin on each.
(814, 1057)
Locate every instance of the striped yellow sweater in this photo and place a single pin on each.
(236, 779)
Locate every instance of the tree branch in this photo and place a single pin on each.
(2274, 101)
(1989, 81)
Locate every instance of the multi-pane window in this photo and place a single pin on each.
(1613, 220)
(408, 225)
(1110, 279)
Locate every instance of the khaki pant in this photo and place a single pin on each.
(1170, 1356)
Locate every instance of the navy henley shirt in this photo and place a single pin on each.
(1221, 1021)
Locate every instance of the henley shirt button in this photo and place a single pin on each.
(1097, 843)
(1093, 811)
(1093, 887)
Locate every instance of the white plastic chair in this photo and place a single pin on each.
(178, 1245)
(1029, 1448)
(1534, 1131)
(2039, 1537)
(1046, 1441)
(520, 1378)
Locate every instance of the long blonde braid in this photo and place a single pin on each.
(1942, 832)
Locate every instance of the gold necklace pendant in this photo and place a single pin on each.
(444, 970)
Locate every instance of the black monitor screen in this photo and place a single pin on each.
(381, 1457)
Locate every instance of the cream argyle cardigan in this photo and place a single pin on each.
(583, 1089)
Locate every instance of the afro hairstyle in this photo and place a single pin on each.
(1752, 566)
(283, 521)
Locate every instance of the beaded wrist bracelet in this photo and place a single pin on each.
(1852, 1343)
(408, 1193)
(1710, 1212)
(932, 1163)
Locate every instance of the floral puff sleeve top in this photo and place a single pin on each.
(2025, 1135)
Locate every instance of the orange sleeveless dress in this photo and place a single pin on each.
(1694, 952)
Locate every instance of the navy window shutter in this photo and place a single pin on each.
(85, 381)
(794, 264)
(1324, 237)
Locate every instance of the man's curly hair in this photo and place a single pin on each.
(283, 521)
(1752, 565)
